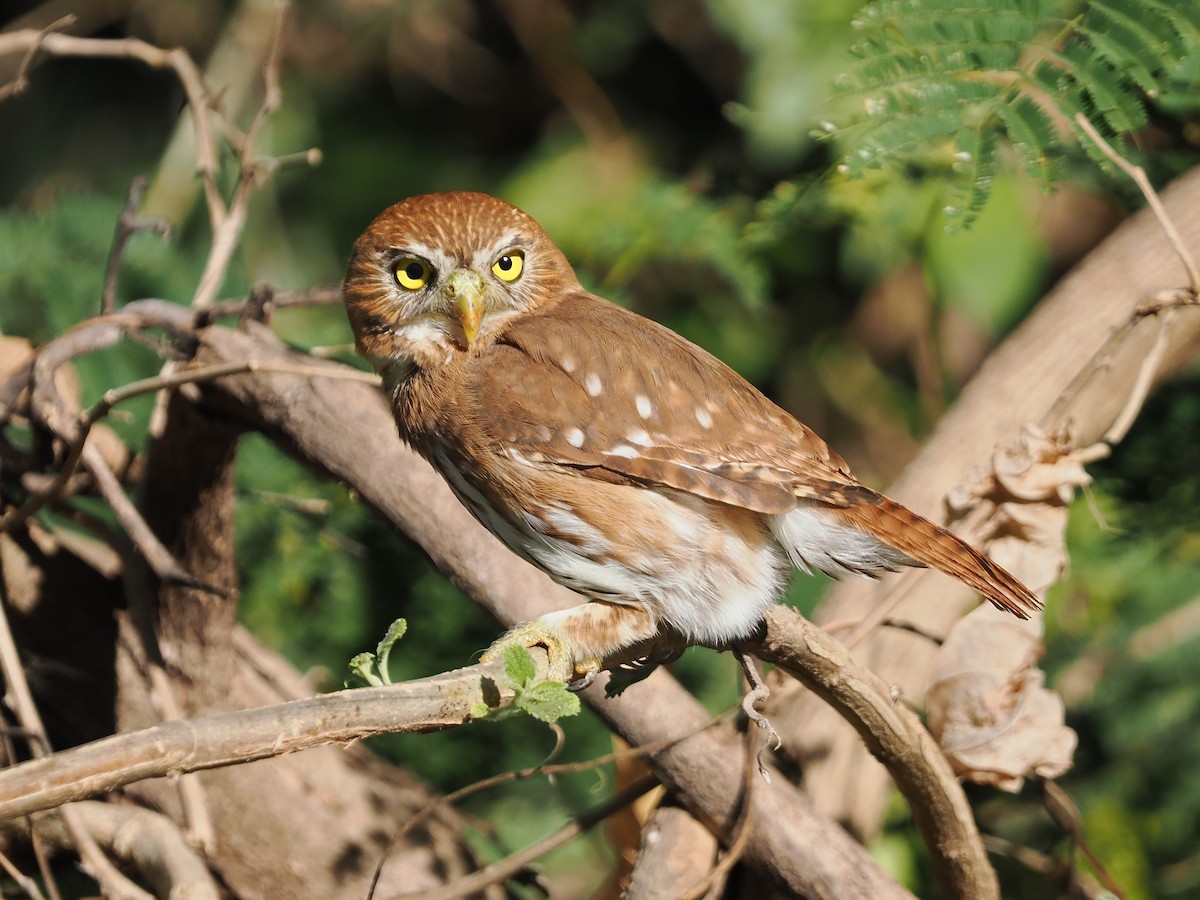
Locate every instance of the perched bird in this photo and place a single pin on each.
(624, 461)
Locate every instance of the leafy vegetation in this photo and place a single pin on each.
(840, 294)
(940, 81)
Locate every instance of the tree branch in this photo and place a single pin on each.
(208, 742)
(1018, 384)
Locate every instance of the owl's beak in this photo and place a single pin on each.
(465, 288)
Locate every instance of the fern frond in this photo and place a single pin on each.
(1006, 67)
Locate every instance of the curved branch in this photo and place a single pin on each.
(896, 737)
(1018, 384)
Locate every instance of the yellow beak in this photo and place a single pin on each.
(465, 288)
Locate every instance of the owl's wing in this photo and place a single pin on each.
(592, 386)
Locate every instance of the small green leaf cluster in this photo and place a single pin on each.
(547, 701)
(371, 669)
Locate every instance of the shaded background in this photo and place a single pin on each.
(668, 147)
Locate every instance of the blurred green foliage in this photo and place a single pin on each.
(681, 176)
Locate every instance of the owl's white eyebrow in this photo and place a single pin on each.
(430, 254)
(507, 241)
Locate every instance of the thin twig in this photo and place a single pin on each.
(913, 628)
(161, 561)
(544, 768)
(20, 81)
(1164, 303)
(128, 224)
(1138, 174)
(502, 871)
(178, 60)
(1065, 813)
(228, 223)
(740, 838)
(20, 699)
(322, 295)
(111, 398)
(24, 882)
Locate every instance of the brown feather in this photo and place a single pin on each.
(625, 461)
(932, 545)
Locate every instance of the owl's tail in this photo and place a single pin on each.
(931, 545)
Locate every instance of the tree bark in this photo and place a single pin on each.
(1018, 384)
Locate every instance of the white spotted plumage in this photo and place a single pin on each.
(621, 459)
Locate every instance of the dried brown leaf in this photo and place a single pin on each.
(987, 704)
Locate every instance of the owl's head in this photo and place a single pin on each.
(440, 274)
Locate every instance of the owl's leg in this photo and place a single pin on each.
(759, 692)
(579, 640)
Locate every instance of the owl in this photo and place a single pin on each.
(622, 460)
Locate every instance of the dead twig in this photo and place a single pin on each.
(544, 768)
(228, 221)
(740, 837)
(128, 224)
(502, 871)
(1164, 305)
(20, 81)
(1065, 813)
(77, 445)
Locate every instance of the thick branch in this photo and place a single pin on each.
(209, 742)
(1017, 385)
(896, 737)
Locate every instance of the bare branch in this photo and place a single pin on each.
(501, 871)
(1138, 174)
(20, 81)
(128, 224)
(148, 842)
(190, 745)
(227, 225)
(895, 736)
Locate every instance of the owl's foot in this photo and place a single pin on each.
(562, 665)
(631, 672)
(759, 692)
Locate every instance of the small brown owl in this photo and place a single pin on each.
(624, 461)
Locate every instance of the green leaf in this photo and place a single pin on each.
(371, 669)
(362, 672)
(548, 701)
(518, 666)
(481, 710)
(395, 631)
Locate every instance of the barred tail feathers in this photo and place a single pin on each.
(929, 544)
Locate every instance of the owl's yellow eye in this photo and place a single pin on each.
(509, 266)
(412, 274)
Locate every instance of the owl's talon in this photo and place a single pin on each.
(585, 674)
(560, 660)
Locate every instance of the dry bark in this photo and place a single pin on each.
(677, 852)
(1018, 384)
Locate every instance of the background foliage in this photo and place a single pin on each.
(679, 152)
